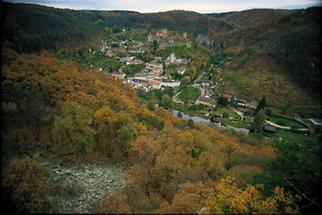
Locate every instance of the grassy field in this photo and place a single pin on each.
(189, 93)
(234, 123)
(230, 112)
(296, 137)
(195, 110)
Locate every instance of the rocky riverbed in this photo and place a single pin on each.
(80, 186)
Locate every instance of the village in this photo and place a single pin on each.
(201, 97)
(151, 75)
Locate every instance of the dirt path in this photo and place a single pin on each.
(82, 185)
(284, 127)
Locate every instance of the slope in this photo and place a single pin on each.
(267, 45)
(56, 111)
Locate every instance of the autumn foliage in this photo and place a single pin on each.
(26, 187)
(230, 199)
(174, 166)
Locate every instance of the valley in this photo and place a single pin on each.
(175, 112)
(163, 66)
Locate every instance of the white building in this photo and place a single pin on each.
(172, 59)
(119, 75)
(154, 68)
(206, 89)
(164, 31)
(150, 37)
(205, 101)
(155, 84)
(181, 70)
(170, 83)
(184, 34)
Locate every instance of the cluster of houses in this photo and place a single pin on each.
(161, 38)
(148, 81)
(246, 108)
(125, 46)
(151, 77)
(130, 60)
(133, 46)
(158, 36)
(172, 59)
(206, 92)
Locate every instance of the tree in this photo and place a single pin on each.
(163, 66)
(26, 186)
(258, 121)
(268, 112)
(190, 123)
(165, 100)
(189, 199)
(261, 105)
(155, 45)
(150, 106)
(193, 73)
(168, 91)
(298, 167)
(115, 131)
(223, 101)
(116, 30)
(285, 107)
(230, 199)
(74, 127)
(155, 122)
(126, 134)
(225, 115)
(30, 104)
(113, 203)
(104, 134)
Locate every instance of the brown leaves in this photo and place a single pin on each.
(27, 181)
(189, 199)
(113, 203)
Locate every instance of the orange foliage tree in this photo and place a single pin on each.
(26, 185)
(230, 199)
(189, 199)
(113, 203)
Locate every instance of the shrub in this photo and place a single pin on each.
(25, 180)
(74, 127)
(113, 203)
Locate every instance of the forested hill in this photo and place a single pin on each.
(30, 28)
(285, 42)
(53, 110)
